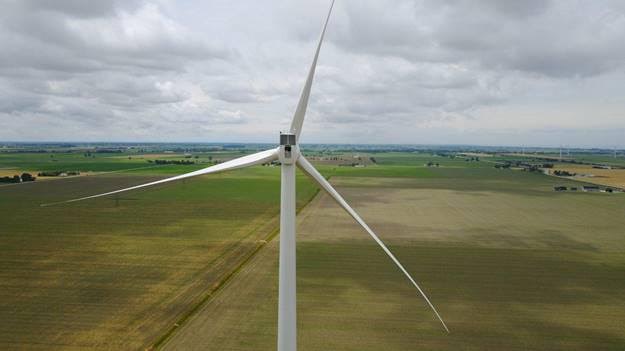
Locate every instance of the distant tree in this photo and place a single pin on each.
(173, 162)
(563, 173)
(14, 179)
(27, 177)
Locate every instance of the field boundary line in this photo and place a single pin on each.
(84, 175)
(220, 285)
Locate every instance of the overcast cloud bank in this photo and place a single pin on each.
(446, 72)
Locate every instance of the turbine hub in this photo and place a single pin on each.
(289, 151)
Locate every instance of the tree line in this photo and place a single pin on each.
(172, 162)
(25, 177)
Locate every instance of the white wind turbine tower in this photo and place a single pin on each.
(288, 153)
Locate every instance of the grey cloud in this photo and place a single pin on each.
(141, 39)
(242, 90)
(562, 40)
(95, 65)
(510, 8)
(77, 8)
(219, 70)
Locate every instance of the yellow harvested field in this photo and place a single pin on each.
(7, 172)
(4, 172)
(609, 177)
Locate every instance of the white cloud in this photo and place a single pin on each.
(412, 71)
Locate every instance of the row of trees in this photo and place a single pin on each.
(563, 173)
(58, 173)
(25, 177)
(521, 164)
(172, 162)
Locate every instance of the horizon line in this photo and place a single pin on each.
(618, 148)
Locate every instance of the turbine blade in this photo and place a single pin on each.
(241, 162)
(300, 112)
(308, 168)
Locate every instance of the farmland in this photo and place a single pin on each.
(585, 173)
(511, 264)
(118, 273)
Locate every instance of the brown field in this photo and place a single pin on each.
(242, 316)
(508, 269)
(608, 177)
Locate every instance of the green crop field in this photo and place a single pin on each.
(105, 162)
(511, 265)
(594, 158)
(588, 158)
(118, 273)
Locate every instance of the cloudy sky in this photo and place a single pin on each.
(486, 72)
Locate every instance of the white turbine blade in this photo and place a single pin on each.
(241, 162)
(300, 112)
(325, 185)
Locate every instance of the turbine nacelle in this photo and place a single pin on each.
(289, 151)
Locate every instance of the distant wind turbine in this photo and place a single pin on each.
(288, 153)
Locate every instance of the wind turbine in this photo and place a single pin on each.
(288, 153)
